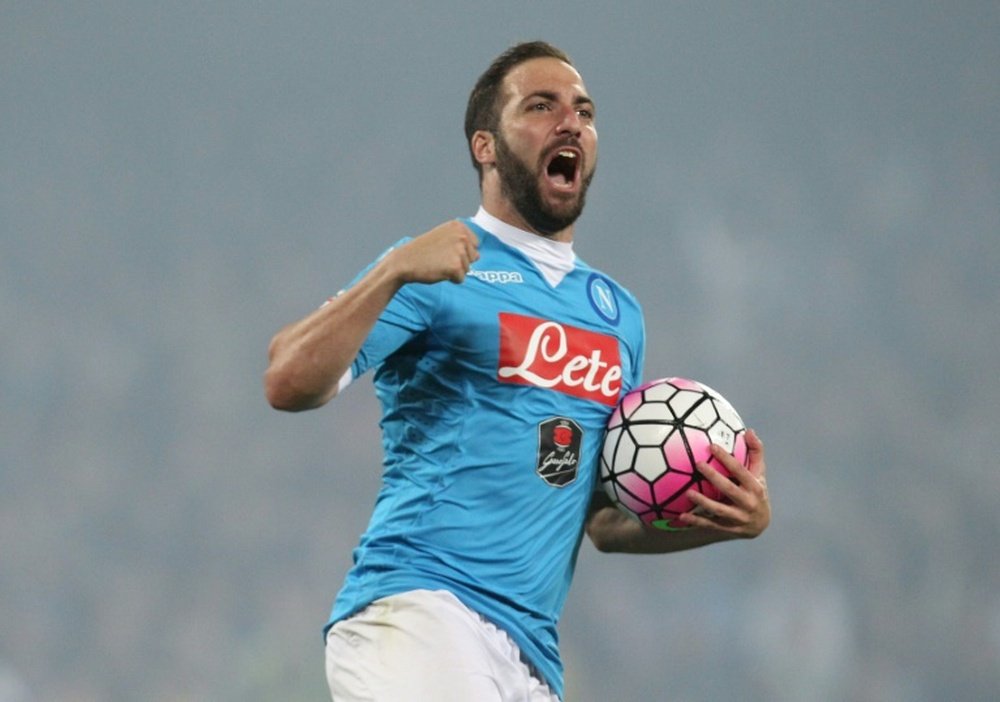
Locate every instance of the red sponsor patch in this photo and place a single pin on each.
(559, 357)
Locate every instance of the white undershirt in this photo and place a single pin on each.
(554, 259)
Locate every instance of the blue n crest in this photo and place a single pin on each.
(602, 298)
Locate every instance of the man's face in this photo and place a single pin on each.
(546, 149)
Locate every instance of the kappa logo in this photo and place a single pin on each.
(547, 354)
(498, 276)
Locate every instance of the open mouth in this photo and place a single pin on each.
(563, 168)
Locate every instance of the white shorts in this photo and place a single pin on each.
(426, 646)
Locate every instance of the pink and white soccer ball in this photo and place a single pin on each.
(654, 439)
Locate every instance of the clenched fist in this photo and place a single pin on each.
(444, 253)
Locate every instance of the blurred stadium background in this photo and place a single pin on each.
(804, 195)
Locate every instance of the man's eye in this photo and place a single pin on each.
(586, 114)
(540, 107)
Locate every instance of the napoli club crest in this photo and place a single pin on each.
(602, 298)
(559, 441)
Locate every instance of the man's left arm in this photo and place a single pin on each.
(745, 514)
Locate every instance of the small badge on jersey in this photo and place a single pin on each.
(602, 298)
(559, 440)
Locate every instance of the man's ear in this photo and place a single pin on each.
(483, 145)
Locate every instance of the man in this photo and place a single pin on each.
(498, 356)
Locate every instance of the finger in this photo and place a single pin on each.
(471, 246)
(720, 481)
(711, 514)
(756, 465)
(733, 516)
(746, 477)
(696, 520)
(469, 254)
(747, 504)
(755, 453)
(705, 506)
(463, 254)
(459, 270)
(746, 496)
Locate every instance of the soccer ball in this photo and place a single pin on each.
(654, 438)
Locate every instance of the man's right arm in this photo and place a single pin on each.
(306, 359)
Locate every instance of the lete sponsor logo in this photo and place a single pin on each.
(560, 357)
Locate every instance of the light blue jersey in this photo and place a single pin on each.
(494, 393)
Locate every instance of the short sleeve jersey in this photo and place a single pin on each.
(495, 393)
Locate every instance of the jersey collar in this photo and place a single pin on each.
(554, 259)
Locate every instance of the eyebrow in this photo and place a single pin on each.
(549, 95)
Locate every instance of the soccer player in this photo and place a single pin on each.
(498, 356)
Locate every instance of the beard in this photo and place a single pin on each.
(520, 185)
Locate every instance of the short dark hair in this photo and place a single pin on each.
(483, 110)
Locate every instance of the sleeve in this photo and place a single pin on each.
(407, 314)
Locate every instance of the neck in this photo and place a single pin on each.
(496, 204)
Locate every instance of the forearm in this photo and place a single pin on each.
(306, 359)
(613, 532)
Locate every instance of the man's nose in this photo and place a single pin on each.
(570, 122)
